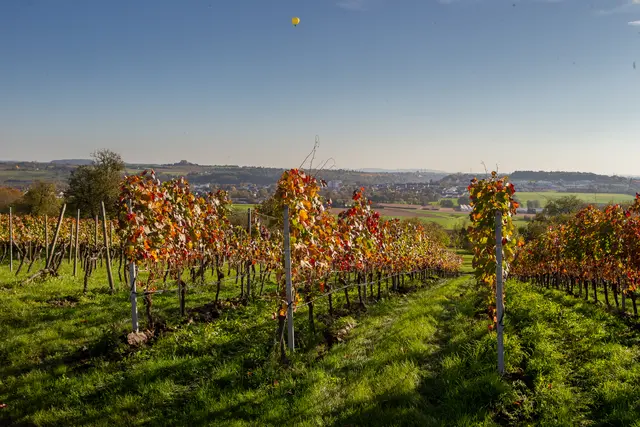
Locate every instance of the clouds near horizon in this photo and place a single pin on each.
(626, 6)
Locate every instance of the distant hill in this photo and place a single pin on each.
(429, 171)
(75, 162)
(565, 177)
(22, 174)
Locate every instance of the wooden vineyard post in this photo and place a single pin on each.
(499, 297)
(75, 253)
(133, 295)
(287, 266)
(46, 237)
(106, 245)
(249, 260)
(55, 237)
(11, 239)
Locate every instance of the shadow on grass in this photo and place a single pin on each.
(623, 326)
(460, 385)
(227, 372)
(105, 386)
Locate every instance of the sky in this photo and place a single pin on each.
(425, 84)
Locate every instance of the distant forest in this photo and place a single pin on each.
(566, 177)
(23, 174)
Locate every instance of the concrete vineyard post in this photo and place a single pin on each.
(46, 237)
(75, 254)
(55, 237)
(95, 241)
(107, 249)
(70, 240)
(133, 294)
(499, 297)
(287, 267)
(249, 260)
(10, 239)
(111, 232)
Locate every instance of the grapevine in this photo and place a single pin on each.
(488, 197)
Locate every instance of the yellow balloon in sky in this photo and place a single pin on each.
(295, 21)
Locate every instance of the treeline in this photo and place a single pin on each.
(85, 189)
(237, 175)
(567, 176)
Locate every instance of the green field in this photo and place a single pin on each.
(598, 198)
(448, 220)
(243, 207)
(423, 358)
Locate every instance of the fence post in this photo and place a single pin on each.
(70, 240)
(249, 260)
(106, 245)
(499, 296)
(75, 256)
(133, 295)
(95, 237)
(10, 238)
(287, 267)
(46, 237)
(55, 237)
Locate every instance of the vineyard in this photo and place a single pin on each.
(388, 331)
(167, 235)
(35, 239)
(593, 252)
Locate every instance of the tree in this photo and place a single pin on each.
(460, 235)
(463, 200)
(446, 203)
(99, 182)
(563, 206)
(533, 204)
(8, 197)
(41, 199)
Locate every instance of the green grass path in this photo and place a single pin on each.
(575, 363)
(422, 359)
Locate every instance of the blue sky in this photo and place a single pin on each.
(528, 84)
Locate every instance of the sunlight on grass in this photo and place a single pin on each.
(425, 358)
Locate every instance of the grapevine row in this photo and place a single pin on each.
(167, 228)
(595, 250)
(169, 232)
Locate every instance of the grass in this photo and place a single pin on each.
(447, 220)
(544, 196)
(578, 364)
(423, 358)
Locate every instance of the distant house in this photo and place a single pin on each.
(451, 192)
(334, 185)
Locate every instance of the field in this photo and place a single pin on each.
(419, 358)
(449, 219)
(445, 217)
(416, 349)
(598, 198)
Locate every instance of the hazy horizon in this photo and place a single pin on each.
(367, 170)
(413, 84)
